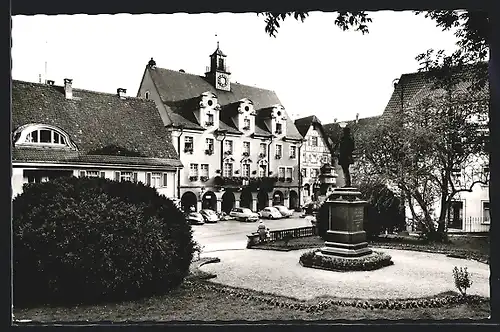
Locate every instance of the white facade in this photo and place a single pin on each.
(314, 154)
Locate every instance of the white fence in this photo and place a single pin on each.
(476, 224)
(469, 225)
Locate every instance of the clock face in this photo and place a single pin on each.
(222, 80)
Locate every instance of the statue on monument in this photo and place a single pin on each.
(346, 148)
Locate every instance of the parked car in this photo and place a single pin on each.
(285, 212)
(210, 216)
(270, 213)
(195, 218)
(244, 214)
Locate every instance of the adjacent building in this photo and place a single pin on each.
(469, 211)
(237, 142)
(314, 154)
(62, 131)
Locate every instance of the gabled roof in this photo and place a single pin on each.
(174, 86)
(303, 124)
(94, 120)
(413, 88)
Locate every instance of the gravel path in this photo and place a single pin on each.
(414, 274)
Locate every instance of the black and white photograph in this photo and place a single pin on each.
(259, 166)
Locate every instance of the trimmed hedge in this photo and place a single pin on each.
(374, 261)
(87, 240)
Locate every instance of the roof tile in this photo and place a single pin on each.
(94, 120)
(175, 87)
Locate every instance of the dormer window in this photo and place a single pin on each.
(210, 119)
(41, 135)
(279, 128)
(246, 123)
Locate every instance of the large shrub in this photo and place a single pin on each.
(88, 240)
(384, 210)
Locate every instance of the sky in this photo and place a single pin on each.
(314, 66)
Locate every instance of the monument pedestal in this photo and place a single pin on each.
(345, 236)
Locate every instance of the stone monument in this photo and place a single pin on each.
(345, 236)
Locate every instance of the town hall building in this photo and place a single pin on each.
(237, 143)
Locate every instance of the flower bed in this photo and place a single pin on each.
(437, 301)
(452, 252)
(374, 261)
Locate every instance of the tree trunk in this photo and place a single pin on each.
(412, 208)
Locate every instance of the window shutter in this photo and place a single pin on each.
(103, 175)
(134, 177)
(165, 179)
(82, 174)
(148, 178)
(117, 176)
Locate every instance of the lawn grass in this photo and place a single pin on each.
(477, 248)
(191, 302)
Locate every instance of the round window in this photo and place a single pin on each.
(279, 113)
(247, 108)
(210, 103)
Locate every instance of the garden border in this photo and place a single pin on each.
(436, 301)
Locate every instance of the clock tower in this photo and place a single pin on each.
(218, 73)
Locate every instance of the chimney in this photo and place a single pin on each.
(152, 64)
(357, 117)
(50, 82)
(68, 89)
(121, 92)
(335, 120)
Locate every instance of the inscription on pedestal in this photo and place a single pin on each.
(357, 218)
